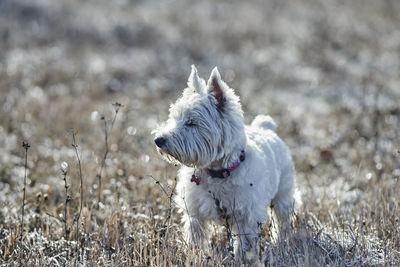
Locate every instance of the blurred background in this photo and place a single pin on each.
(327, 71)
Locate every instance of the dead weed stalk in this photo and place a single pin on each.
(107, 132)
(76, 219)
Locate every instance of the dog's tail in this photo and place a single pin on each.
(265, 122)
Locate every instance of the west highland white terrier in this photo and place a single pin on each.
(230, 173)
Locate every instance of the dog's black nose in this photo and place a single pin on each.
(160, 141)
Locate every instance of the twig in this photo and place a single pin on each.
(169, 216)
(170, 195)
(64, 170)
(159, 184)
(26, 146)
(107, 132)
(80, 189)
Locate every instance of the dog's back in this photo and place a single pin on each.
(262, 132)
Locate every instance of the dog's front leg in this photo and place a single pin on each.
(194, 230)
(247, 237)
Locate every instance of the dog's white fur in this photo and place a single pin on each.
(205, 129)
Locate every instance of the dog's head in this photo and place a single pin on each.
(204, 125)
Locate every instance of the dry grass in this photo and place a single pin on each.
(326, 71)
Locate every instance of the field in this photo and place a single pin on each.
(83, 84)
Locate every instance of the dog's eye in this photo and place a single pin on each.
(190, 123)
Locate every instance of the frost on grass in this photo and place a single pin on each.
(327, 73)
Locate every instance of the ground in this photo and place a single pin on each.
(326, 71)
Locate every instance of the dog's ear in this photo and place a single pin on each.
(195, 81)
(215, 85)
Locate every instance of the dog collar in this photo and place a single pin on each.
(222, 173)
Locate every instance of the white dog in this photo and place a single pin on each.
(230, 172)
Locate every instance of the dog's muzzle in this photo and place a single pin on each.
(160, 142)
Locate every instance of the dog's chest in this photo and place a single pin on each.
(222, 197)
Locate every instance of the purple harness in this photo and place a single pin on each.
(222, 173)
